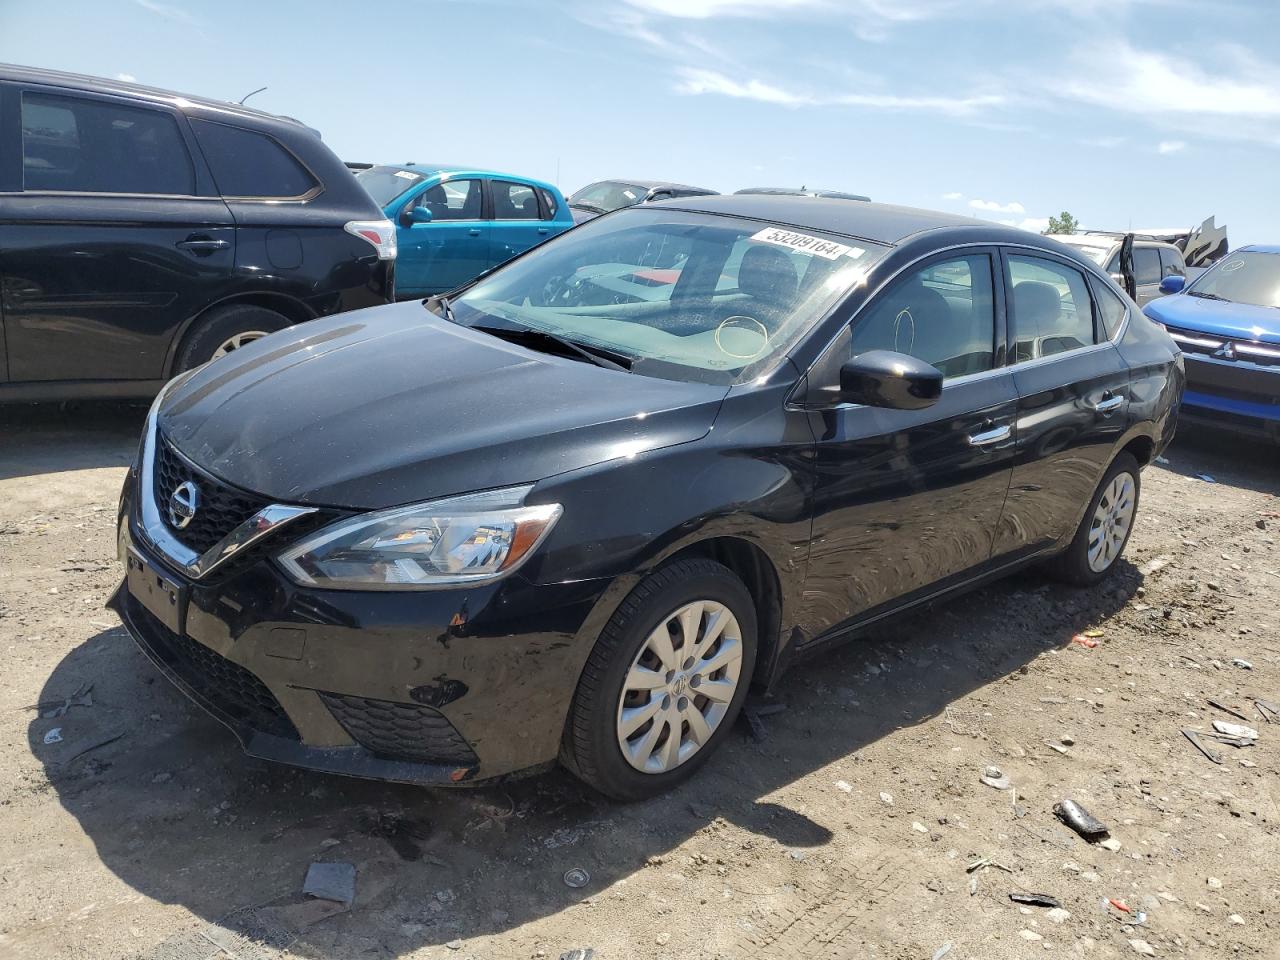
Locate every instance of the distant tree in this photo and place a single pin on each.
(1063, 223)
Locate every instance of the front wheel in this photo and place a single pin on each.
(664, 683)
(224, 330)
(1106, 526)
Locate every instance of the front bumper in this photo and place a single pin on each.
(431, 687)
(1234, 395)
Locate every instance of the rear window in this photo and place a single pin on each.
(96, 146)
(384, 184)
(245, 163)
(1146, 264)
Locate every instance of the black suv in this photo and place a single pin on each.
(143, 233)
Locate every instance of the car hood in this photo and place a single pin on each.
(1242, 321)
(393, 405)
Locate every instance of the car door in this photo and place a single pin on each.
(115, 239)
(519, 221)
(1146, 273)
(450, 244)
(1073, 398)
(907, 501)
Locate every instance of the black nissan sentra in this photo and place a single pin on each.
(576, 509)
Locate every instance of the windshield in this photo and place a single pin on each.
(384, 184)
(1242, 277)
(608, 195)
(1094, 253)
(686, 296)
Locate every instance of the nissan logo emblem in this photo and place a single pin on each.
(183, 503)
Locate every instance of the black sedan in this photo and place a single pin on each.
(609, 195)
(575, 510)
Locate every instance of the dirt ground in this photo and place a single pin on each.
(846, 833)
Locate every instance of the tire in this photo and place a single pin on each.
(592, 747)
(222, 326)
(1075, 565)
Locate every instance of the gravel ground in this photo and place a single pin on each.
(848, 832)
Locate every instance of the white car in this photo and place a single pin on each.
(1152, 260)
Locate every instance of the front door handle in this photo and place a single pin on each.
(474, 231)
(988, 437)
(202, 245)
(543, 231)
(1108, 405)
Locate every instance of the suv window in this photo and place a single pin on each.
(245, 163)
(1146, 264)
(1110, 308)
(452, 200)
(514, 201)
(92, 146)
(1171, 263)
(943, 314)
(1052, 310)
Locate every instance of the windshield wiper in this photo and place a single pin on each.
(441, 301)
(534, 339)
(590, 207)
(1206, 296)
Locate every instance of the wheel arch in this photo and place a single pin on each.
(289, 307)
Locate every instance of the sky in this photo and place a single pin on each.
(1130, 114)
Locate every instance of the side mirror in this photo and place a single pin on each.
(417, 215)
(883, 378)
(1173, 284)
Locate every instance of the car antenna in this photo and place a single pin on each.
(250, 94)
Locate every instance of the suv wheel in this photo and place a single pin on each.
(664, 683)
(1106, 526)
(224, 329)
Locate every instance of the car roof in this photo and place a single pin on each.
(879, 222)
(801, 192)
(651, 184)
(76, 81)
(1084, 239)
(455, 170)
(1258, 248)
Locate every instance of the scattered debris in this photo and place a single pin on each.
(52, 709)
(1093, 634)
(942, 951)
(1030, 936)
(1194, 737)
(1059, 915)
(331, 881)
(1236, 919)
(994, 777)
(985, 862)
(1226, 709)
(576, 877)
(919, 827)
(100, 742)
(1142, 947)
(1235, 730)
(1118, 904)
(1268, 710)
(54, 735)
(1242, 664)
(1207, 478)
(1035, 899)
(1084, 641)
(1080, 820)
(577, 953)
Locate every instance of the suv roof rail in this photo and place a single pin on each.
(1120, 233)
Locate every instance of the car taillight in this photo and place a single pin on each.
(380, 233)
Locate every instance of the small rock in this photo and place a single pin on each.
(919, 827)
(886, 799)
(1214, 883)
(1203, 907)
(994, 777)
(662, 939)
(446, 896)
(1030, 936)
(1090, 877)
(164, 777)
(1236, 919)
(845, 787)
(1067, 740)
(1242, 664)
(1111, 843)
(454, 944)
(1167, 896)
(797, 855)
(1059, 915)
(1142, 947)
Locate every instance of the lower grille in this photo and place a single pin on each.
(227, 687)
(400, 731)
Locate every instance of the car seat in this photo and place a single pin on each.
(1037, 308)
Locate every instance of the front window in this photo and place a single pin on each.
(384, 184)
(1242, 277)
(607, 196)
(682, 295)
(1090, 251)
(452, 200)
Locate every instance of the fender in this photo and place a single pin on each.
(286, 304)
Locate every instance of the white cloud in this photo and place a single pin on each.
(696, 81)
(708, 9)
(953, 195)
(126, 77)
(1034, 224)
(994, 206)
(1171, 146)
(168, 11)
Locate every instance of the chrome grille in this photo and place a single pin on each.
(221, 509)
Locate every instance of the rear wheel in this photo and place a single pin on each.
(664, 682)
(224, 330)
(1106, 526)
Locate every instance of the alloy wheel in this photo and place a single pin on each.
(1112, 520)
(237, 341)
(680, 686)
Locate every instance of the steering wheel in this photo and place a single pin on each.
(556, 288)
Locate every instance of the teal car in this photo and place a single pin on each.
(454, 223)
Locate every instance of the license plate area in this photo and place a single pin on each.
(164, 597)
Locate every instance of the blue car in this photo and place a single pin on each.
(1227, 322)
(454, 223)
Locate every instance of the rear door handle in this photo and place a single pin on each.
(474, 231)
(988, 437)
(1109, 404)
(202, 244)
(543, 230)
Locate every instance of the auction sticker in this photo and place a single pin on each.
(804, 243)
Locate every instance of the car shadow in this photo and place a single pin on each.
(181, 815)
(44, 438)
(1225, 458)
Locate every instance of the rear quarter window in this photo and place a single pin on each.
(245, 163)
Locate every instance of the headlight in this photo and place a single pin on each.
(472, 539)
